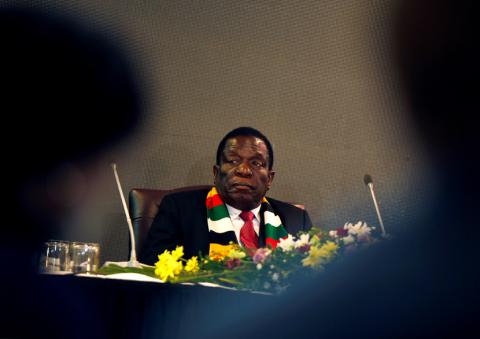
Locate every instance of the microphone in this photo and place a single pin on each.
(367, 179)
(133, 253)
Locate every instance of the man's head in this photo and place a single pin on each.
(243, 171)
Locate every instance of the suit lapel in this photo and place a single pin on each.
(196, 232)
(261, 231)
(205, 243)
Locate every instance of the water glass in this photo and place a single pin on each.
(55, 258)
(85, 257)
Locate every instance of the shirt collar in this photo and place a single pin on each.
(235, 213)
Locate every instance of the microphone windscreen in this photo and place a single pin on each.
(367, 179)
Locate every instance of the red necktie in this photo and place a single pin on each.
(248, 237)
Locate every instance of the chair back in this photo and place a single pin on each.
(143, 207)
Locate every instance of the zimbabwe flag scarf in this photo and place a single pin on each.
(220, 225)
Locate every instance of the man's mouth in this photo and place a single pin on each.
(243, 186)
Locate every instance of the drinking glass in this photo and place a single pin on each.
(55, 258)
(84, 257)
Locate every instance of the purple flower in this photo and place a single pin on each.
(342, 232)
(232, 263)
(304, 248)
(260, 255)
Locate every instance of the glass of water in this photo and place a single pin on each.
(55, 257)
(84, 257)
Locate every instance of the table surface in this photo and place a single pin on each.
(72, 306)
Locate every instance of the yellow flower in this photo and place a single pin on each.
(178, 252)
(219, 252)
(236, 253)
(317, 256)
(168, 266)
(192, 265)
(315, 239)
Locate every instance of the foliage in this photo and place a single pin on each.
(263, 269)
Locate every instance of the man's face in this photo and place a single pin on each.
(243, 178)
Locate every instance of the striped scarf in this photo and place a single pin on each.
(220, 225)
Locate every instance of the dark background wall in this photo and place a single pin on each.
(315, 76)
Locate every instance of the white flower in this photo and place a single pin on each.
(275, 276)
(302, 241)
(360, 229)
(259, 266)
(333, 234)
(287, 244)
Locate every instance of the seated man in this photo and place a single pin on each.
(235, 209)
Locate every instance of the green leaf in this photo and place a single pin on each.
(114, 269)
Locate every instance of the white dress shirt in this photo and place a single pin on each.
(238, 222)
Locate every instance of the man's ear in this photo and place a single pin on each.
(271, 175)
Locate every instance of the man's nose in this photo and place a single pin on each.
(243, 169)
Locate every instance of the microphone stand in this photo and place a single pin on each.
(133, 254)
(369, 182)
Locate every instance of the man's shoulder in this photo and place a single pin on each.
(188, 194)
(288, 206)
(294, 219)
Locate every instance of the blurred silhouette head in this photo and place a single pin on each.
(67, 94)
(438, 58)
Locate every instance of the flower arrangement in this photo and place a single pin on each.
(263, 269)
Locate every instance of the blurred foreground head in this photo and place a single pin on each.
(67, 95)
(437, 51)
(66, 92)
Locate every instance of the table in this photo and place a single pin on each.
(84, 307)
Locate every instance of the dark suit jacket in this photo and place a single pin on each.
(182, 220)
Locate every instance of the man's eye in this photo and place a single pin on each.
(233, 161)
(258, 164)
